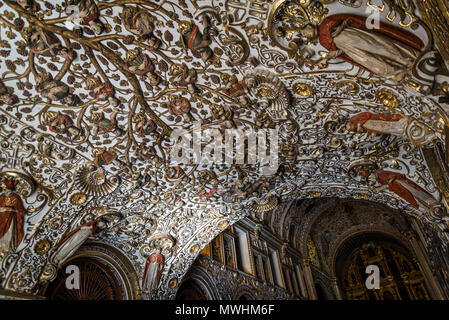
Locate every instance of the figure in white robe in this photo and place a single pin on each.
(71, 243)
(384, 56)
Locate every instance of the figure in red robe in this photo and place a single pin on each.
(12, 215)
(383, 123)
(195, 41)
(399, 184)
(153, 271)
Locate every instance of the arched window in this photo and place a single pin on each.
(96, 282)
(190, 290)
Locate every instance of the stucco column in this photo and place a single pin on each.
(336, 289)
(434, 288)
(309, 279)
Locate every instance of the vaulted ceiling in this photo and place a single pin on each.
(89, 107)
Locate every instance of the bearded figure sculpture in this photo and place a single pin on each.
(101, 91)
(7, 95)
(55, 90)
(142, 24)
(46, 44)
(88, 14)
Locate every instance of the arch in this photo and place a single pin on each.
(190, 289)
(198, 276)
(329, 203)
(243, 292)
(109, 265)
(383, 250)
(321, 293)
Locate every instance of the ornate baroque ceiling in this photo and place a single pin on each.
(89, 105)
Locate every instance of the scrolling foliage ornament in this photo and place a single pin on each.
(88, 117)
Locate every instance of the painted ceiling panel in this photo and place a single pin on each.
(94, 92)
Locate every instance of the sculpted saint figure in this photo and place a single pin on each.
(399, 184)
(55, 90)
(140, 64)
(7, 95)
(73, 240)
(179, 106)
(101, 91)
(142, 24)
(195, 41)
(45, 43)
(384, 123)
(12, 215)
(145, 126)
(235, 88)
(184, 77)
(153, 271)
(388, 52)
(102, 125)
(88, 14)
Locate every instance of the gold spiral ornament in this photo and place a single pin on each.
(94, 181)
(173, 283)
(387, 98)
(78, 198)
(42, 246)
(265, 204)
(303, 89)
